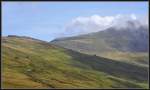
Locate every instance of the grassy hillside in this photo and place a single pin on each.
(31, 63)
(136, 58)
(94, 47)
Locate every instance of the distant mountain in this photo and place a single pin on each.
(128, 44)
(32, 63)
(134, 38)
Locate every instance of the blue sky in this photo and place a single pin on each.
(46, 20)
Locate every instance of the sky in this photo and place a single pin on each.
(49, 20)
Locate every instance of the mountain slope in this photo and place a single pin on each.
(31, 63)
(111, 39)
(125, 44)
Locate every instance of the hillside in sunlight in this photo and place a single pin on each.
(31, 63)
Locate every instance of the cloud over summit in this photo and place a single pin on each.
(95, 23)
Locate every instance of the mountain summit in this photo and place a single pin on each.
(135, 39)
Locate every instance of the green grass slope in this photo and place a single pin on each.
(31, 63)
(136, 58)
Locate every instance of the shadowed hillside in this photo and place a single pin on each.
(31, 63)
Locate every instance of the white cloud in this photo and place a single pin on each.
(133, 17)
(94, 23)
